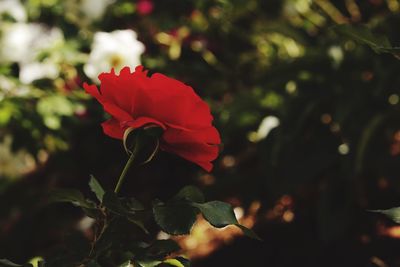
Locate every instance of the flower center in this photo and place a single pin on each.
(116, 61)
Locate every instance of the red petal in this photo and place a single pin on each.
(174, 102)
(125, 89)
(109, 107)
(201, 154)
(92, 90)
(112, 128)
(198, 146)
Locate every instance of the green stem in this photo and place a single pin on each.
(125, 170)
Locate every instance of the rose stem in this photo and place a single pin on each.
(125, 170)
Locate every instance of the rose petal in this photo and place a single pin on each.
(112, 128)
(125, 90)
(110, 108)
(176, 103)
(201, 154)
(200, 147)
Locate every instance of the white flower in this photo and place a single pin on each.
(13, 8)
(94, 9)
(113, 50)
(38, 70)
(23, 43)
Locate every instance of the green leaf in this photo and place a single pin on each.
(138, 223)
(125, 264)
(178, 262)
(96, 188)
(134, 205)
(113, 203)
(361, 34)
(72, 196)
(393, 213)
(219, 214)
(184, 261)
(147, 263)
(175, 218)
(116, 206)
(190, 193)
(110, 235)
(174, 262)
(248, 232)
(162, 248)
(93, 263)
(7, 263)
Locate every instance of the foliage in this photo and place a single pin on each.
(113, 212)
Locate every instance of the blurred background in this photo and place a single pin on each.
(310, 122)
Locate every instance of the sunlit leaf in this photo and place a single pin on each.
(7, 111)
(37, 262)
(220, 214)
(393, 213)
(185, 262)
(174, 262)
(125, 264)
(147, 263)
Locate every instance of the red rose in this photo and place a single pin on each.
(135, 100)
